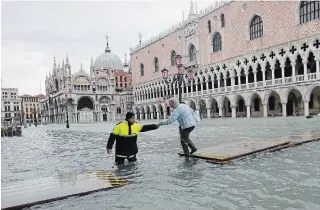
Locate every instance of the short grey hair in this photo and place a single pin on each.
(174, 100)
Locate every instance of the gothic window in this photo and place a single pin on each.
(173, 58)
(156, 64)
(209, 26)
(256, 27)
(309, 10)
(192, 53)
(141, 69)
(118, 110)
(222, 21)
(217, 42)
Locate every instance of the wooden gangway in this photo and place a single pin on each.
(227, 153)
(27, 193)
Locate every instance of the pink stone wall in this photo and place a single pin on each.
(147, 55)
(280, 24)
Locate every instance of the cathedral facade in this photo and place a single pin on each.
(240, 58)
(103, 94)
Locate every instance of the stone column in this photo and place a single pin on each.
(317, 68)
(272, 71)
(225, 83)
(282, 73)
(239, 81)
(191, 88)
(208, 113)
(255, 76)
(212, 83)
(201, 87)
(232, 82)
(219, 85)
(158, 115)
(196, 88)
(248, 111)
(247, 83)
(220, 111)
(265, 110)
(234, 111)
(141, 116)
(151, 116)
(263, 70)
(306, 108)
(293, 65)
(284, 109)
(305, 68)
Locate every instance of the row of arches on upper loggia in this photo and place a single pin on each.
(294, 105)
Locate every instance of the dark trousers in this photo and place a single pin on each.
(186, 141)
(120, 160)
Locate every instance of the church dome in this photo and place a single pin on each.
(108, 60)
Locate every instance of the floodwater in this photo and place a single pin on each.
(287, 179)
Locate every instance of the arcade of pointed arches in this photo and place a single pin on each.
(293, 101)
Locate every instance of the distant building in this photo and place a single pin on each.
(89, 97)
(31, 108)
(10, 106)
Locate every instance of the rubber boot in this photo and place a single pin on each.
(192, 147)
(185, 149)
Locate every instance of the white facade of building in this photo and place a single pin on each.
(89, 97)
(10, 106)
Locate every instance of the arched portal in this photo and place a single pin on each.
(104, 111)
(314, 103)
(274, 106)
(241, 110)
(214, 108)
(161, 111)
(193, 105)
(85, 109)
(202, 109)
(154, 111)
(143, 114)
(294, 105)
(148, 113)
(256, 107)
(226, 107)
(137, 110)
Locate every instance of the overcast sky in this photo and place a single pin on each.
(32, 33)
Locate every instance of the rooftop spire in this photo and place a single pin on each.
(91, 64)
(125, 60)
(107, 48)
(191, 12)
(81, 67)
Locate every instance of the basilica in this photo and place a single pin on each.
(103, 94)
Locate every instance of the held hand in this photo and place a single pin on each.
(109, 151)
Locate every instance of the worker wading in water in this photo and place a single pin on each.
(125, 134)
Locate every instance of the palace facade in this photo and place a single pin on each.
(88, 97)
(248, 58)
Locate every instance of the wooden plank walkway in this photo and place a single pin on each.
(37, 191)
(226, 153)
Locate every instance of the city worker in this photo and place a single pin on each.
(125, 134)
(184, 115)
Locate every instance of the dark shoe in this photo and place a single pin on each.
(193, 151)
(185, 150)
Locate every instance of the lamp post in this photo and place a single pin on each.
(177, 78)
(66, 106)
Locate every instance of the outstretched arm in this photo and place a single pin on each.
(173, 118)
(149, 127)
